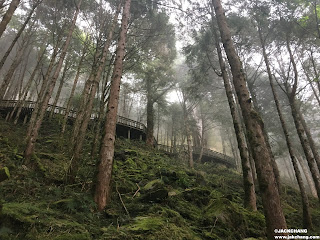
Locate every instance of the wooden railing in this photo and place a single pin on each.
(30, 105)
(197, 150)
(72, 113)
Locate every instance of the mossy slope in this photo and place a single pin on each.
(154, 196)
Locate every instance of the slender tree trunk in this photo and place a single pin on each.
(62, 80)
(308, 176)
(307, 223)
(273, 160)
(243, 127)
(89, 106)
(31, 139)
(248, 181)
(310, 139)
(4, 58)
(8, 15)
(84, 100)
(291, 94)
(43, 86)
(187, 131)
(8, 77)
(254, 124)
(305, 144)
(315, 69)
(103, 186)
(150, 115)
(75, 82)
(103, 103)
(312, 87)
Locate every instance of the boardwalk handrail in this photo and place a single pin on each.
(121, 121)
(72, 113)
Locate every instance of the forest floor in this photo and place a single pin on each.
(155, 196)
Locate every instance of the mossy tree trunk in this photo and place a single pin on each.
(104, 176)
(254, 126)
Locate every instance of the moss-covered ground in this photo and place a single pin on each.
(155, 196)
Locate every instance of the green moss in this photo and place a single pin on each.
(77, 236)
(146, 224)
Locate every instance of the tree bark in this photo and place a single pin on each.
(248, 181)
(8, 15)
(89, 106)
(31, 139)
(103, 186)
(254, 124)
(307, 222)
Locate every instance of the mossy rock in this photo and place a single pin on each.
(154, 191)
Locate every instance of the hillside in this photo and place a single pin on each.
(155, 196)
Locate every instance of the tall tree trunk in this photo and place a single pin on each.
(248, 181)
(310, 139)
(8, 77)
(8, 15)
(103, 103)
(31, 139)
(84, 100)
(291, 94)
(89, 106)
(14, 41)
(187, 131)
(103, 186)
(308, 176)
(254, 124)
(273, 160)
(316, 95)
(305, 144)
(150, 114)
(315, 70)
(75, 82)
(307, 223)
(43, 86)
(62, 80)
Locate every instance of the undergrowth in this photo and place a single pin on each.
(155, 196)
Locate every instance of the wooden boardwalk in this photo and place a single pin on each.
(126, 127)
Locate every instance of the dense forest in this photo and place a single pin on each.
(159, 119)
